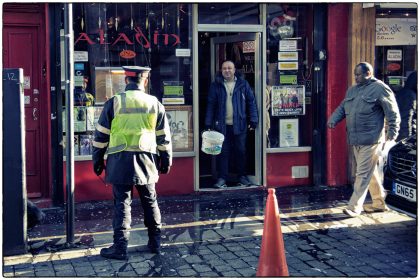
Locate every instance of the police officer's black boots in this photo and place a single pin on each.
(114, 252)
(154, 240)
(155, 249)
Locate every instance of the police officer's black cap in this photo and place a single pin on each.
(135, 71)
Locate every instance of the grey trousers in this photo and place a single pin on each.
(367, 178)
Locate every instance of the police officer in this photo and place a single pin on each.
(134, 131)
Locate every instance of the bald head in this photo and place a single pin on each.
(363, 72)
(228, 70)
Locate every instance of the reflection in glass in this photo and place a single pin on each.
(211, 13)
(289, 75)
(110, 35)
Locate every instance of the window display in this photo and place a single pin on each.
(110, 35)
(395, 52)
(289, 75)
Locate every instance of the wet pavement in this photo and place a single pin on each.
(218, 234)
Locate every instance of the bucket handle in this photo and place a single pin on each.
(204, 130)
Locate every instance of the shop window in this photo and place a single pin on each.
(396, 46)
(289, 75)
(110, 35)
(212, 13)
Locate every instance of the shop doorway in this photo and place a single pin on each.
(23, 48)
(245, 51)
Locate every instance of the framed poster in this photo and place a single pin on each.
(288, 100)
(180, 123)
(289, 133)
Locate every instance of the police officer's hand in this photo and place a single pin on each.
(98, 166)
(164, 165)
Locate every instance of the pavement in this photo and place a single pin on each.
(218, 234)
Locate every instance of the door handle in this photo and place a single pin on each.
(35, 114)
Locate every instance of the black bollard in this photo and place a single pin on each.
(14, 172)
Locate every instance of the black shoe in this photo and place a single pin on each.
(114, 253)
(154, 250)
(244, 181)
(220, 184)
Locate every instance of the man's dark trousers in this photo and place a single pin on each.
(233, 146)
(122, 214)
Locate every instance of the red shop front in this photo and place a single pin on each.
(279, 48)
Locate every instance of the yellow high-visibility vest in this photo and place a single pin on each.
(134, 125)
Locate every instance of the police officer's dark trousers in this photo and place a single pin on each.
(122, 214)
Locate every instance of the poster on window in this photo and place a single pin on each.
(86, 144)
(180, 123)
(288, 100)
(173, 92)
(289, 133)
(396, 31)
(79, 119)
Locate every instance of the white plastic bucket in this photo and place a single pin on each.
(212, 142)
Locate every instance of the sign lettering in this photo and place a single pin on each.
(138, 38)
(396, 31)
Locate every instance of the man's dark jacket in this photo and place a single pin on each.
(243, 102)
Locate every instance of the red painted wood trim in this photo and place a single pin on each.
(336, 145)
(89, 187)
(279, 169)
(45, 85)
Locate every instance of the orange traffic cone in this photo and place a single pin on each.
(272, 260)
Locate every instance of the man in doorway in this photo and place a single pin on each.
(231, 110)
(133, 129)
(365, 106)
